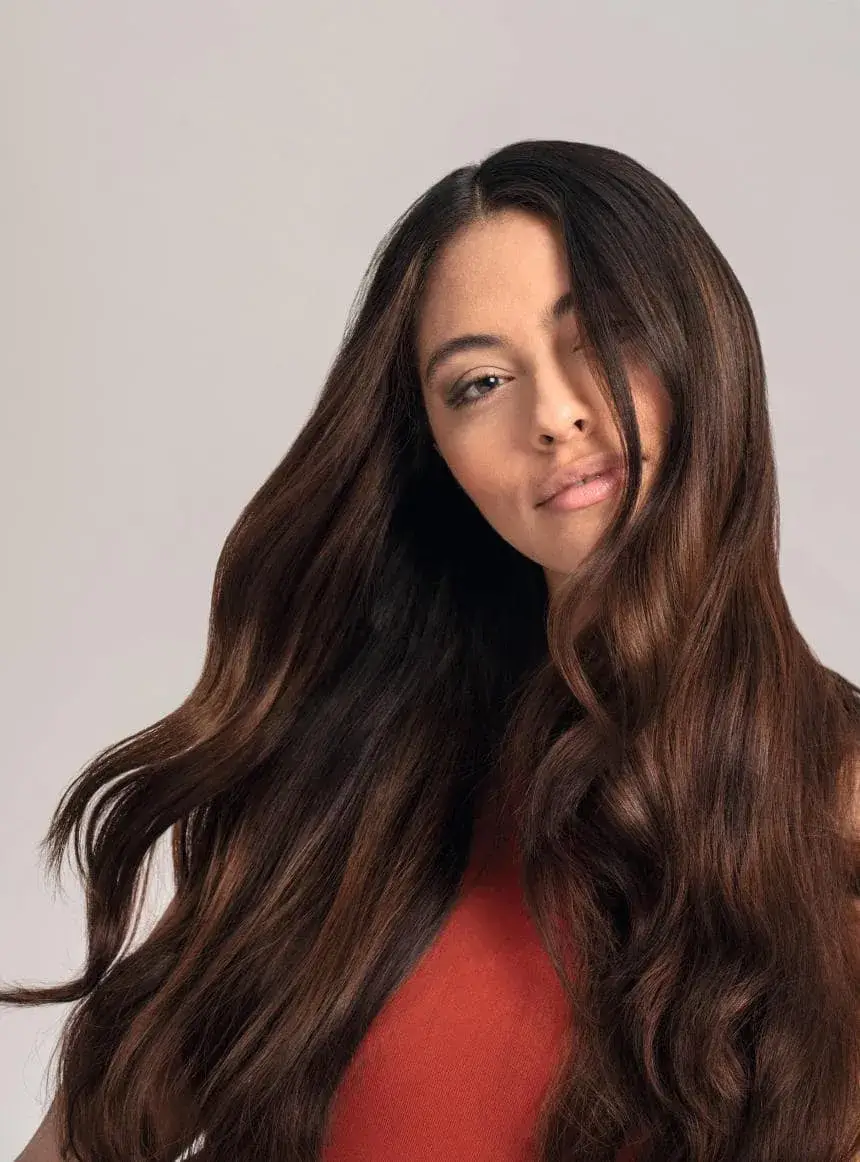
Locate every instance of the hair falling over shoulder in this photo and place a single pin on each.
(683, 767)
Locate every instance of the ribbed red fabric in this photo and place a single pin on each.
(455, 1065)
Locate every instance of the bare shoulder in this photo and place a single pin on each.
(43, 1146)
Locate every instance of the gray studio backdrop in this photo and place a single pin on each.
(189, 194)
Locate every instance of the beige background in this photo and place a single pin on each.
(189, 194)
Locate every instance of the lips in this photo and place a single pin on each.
(585, 493)
(573, 473)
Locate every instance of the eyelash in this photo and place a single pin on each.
(456, 400)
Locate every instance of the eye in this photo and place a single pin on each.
(458, 398)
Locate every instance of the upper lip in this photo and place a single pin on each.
(576, 470)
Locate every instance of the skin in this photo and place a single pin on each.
(545, 409)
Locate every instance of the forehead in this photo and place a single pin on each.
(498, 273)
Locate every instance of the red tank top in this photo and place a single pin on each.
(457, 1061)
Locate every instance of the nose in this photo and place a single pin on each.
(565, 402)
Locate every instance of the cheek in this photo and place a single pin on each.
(484, 475)
(485, 483)
(653, 411)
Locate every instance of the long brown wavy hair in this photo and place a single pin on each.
(681, 766)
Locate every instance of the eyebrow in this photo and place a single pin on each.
(561, 307)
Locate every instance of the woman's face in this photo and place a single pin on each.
(499, 278)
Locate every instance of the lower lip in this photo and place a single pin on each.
(583, 495)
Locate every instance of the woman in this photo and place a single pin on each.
(512, 817)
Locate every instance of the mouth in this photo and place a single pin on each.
(588, 489)
(575, 472)
(591, 489)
